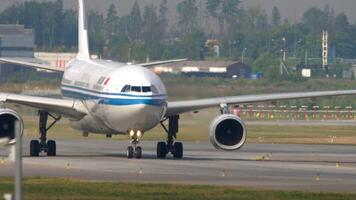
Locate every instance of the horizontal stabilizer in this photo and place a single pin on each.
(30, 62)
(162, 62)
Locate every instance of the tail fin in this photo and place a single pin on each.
(83, 46)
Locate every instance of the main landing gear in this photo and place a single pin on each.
(134, 150)
(175, 148)
(42, 145)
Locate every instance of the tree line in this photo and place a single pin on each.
(147, 33)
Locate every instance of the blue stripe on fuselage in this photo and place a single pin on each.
(115, 101)
(124, 102)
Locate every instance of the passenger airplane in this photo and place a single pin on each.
(106, 97)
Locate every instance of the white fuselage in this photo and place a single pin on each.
(119, 97)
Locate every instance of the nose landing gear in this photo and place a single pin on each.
(134, 151)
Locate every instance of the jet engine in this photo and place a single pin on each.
(7, 125)
(228, 132)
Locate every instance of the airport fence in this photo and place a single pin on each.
(262, 112)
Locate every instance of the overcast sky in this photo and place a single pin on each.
(288, 8)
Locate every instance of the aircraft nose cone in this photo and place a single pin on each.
(144, 117)
(141, 117)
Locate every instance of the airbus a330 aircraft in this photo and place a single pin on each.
(106, 97)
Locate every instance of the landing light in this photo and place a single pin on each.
(132, 133)
(139, 134)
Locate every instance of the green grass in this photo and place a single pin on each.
(69, 189)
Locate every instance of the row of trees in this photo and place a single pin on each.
(148, 33)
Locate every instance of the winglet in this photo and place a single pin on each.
(83, 46)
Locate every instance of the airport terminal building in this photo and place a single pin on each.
(15, 41)
(227, 69)
(18, 42)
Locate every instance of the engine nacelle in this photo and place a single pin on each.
(228, 132)
(7, 125)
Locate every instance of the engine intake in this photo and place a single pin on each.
(7, 124)
(228, 132)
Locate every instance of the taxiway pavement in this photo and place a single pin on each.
(327, 168)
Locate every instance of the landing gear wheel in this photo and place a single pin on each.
(34, 148)
(178, 150)
(44, 145)
(161, 150)
(51, 148)
(175, 148)
(130, 152)
(138, 152)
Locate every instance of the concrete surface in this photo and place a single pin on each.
(328, 168)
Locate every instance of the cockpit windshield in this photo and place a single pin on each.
(146, 89)
(140, 89)
(136, 89)
(126, 88)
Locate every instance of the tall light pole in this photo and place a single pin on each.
(16, 130)
(243, 55)
(283, 61)
(284, 48)
(18, 172)
(325, 47)
(296, 47)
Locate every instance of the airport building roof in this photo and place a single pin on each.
(201, 64)
(206, 68)
(16, 41)
(14, 29)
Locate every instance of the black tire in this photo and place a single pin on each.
(138, 151)
(178, 150)
(51, 148)
(130, 152)
(161, 150)
(34, 148)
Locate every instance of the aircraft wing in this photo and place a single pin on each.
(30, 62)
(161, 62)
(179, 107)
(70, 108)
(53, 93)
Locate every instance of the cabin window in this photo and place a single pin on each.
(66, 81)
(81, 84)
